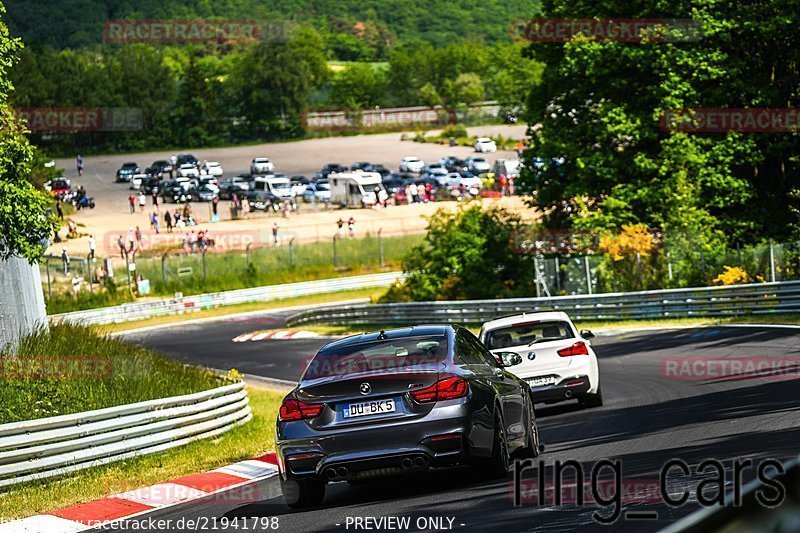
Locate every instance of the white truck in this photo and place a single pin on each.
(354, 189)
(280, 186)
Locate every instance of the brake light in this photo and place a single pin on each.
(448, 388)
(579, 348)
(297, 410)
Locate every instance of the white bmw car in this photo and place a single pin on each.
(557, 361)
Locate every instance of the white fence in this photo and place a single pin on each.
(171, 306)
(37, 449)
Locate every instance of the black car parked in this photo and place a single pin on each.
(127, 171)
(400, 402)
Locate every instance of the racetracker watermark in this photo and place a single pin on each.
(173, 31)
(411, 117)
(568, 241)
(170, 493)
(67, 367)
(688, 368)
(720, 120)
(558, 30)
(74, 119)
(185, 240)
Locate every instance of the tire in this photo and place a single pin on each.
(497, 465)
(303, 493)
(532, 446)
(593, 400)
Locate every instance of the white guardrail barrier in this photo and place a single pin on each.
(736, 300)
(171, 306)
(38, 449)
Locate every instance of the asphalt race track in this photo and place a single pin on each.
(648, 418)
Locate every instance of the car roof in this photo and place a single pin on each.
(525, 317)
(424, 330)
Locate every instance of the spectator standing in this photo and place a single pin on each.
(245, 207)
(154, 194)
(65, 261)
(132, 203)
(413, 190)
(168, 221)
(79, 163)
(92, 246)
(503, 184)
(121, 245)
(173, 163)
(351, 227)
(138, 234)
(59, 209)
(131, 239)
(214, 207)
(154, 221)
(275, 233)
(76, 285)
(511, 185)
(177, 217)
(340, 224)
(142, 201)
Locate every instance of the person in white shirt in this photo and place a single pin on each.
(92, 246)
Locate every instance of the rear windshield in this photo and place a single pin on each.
(528, 333)
(377, 356)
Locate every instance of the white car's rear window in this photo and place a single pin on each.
(526, 333)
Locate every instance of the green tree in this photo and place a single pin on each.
(358, 86)
(25, 221)
(429, 95)
(466, 254)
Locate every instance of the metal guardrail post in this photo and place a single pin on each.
(47, 269)
(204, 265)
(588, 274)
(380, 248)
(291, 252)
(335, 254)
(247, 254)
(771, 261)
(164, 268)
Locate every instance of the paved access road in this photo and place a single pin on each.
(647, 420)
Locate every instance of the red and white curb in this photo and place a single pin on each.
(129, 504)
(278, 334)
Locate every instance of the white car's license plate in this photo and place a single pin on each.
(373, 407)
(544, 380)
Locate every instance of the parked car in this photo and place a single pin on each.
(58, 187)
(187, 170)
(299, 184)
(207, 181)
(263, 200)
(454, 164)
(183, 159)
(213, 169)
(394, 182)
(477, 164)
(203, 193)
(317, 192)
(328, 169)
(485, 144)
(261, 165)
(380, 169)
(172, 191)
(402, 402)
(411, 164)
(361, 165)
(161, 167)
(127, 171)
(236, 184)
(557, 361)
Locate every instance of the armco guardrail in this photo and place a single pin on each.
(753, 299)
(37, 449)
(171, 306)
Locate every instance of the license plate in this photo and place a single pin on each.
(373, 407)
(538, 382)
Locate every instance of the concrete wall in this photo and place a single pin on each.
(21, 300)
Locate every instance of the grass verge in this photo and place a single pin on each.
(243, 442)
(68, 368)
(370, 292)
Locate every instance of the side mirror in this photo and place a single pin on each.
(586, 334)
(509, 358)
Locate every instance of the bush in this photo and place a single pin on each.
(456, 130)
(466, 254)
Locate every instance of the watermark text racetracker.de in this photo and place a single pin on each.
(51, 367)
(559, 30)
(692, 368)
(177, 31)
(603, 486)
(721, 120)
(80, 119)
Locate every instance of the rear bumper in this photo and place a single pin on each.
(376, 451)
(568, 388)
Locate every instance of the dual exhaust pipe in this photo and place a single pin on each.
(407, 464)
